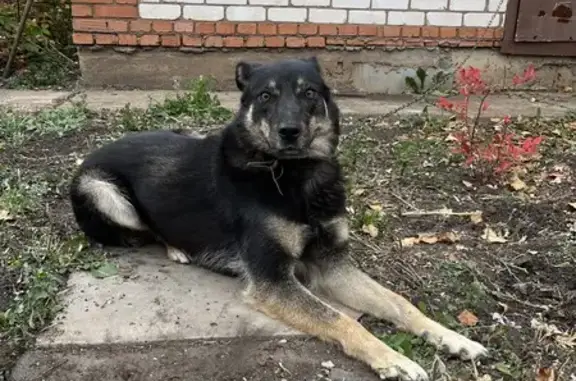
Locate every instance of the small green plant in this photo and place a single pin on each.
(418, 84)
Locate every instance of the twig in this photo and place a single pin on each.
(438, 212)
(47, 372)
(404, 201)
(17, 38)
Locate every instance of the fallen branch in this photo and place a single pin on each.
(439, 212)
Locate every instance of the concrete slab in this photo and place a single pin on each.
(154, 299)
(29, 100)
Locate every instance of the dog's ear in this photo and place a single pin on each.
(314, 61)
(244, 71)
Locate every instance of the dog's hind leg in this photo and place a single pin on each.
(288, 301)
(352, 287)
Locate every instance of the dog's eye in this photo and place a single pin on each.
(310, 94)
(264, 97)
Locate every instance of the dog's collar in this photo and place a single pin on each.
(270, 165)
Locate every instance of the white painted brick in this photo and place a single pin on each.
(323, 15)
(203, 12)
(405, 18)
(246, 13)
(310, 3)
(268, 2)
(184, 1)
(390, 4)
(221, 2)
(351, 3)
(287, 14)
(444, 18)
(159, 11)
(481, 19)
(467, 5)
(493, 6)
(502, 19)
(367, 17)
(439, 5)
(150, 1)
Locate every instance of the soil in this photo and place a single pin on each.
(509, 286)
(222, 360)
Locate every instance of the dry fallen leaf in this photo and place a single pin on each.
(516, 183)
(371, 230)
(476, 217)
(467, 318)
(409, 241)
(493, 237)
(5, 216)
(430, 239)
(376, 207)
(572, 205)
(546, 374)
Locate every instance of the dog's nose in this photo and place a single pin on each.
(289, 133)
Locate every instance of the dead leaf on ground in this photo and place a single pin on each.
(546, 374)
(476, 217)
(5, 216)
(376, 207)
(430, 239)
(492, 237)
(467, 318)
(370, 230)
(516, 183)
(572, 205)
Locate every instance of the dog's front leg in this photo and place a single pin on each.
(290, 302)
(352, 287)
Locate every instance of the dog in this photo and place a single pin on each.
(263, 199)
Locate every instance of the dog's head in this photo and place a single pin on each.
(287, 110)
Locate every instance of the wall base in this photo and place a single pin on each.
(348, 72)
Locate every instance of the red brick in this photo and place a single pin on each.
(316, 42)
(162, 26)
(485, 43)
(81, 10)
(467, 44)
(448, 32)
(149, 40)
(355, 42)
(134, 2)
(414, 42)
(411, 31)
(467, 32)
(170, 40)
(328, 30)
(184, 26)
(486, 33)
(117, 26)
(82, 39)
(335, 41)
(106, 39)
(205, 27)
(245, 28)
(347, 30)
(289, 29)
(90, 25)
(93, 1)
(430, 42)
(295, 42)
(233, 42)
(254, 42)
(431, 31)
(225, 28)
(191, 41)
(367, 30)
(390, 31)
(308, 29)
(498, 33)
(127, 39)
(213, 42)
(116, 11)
(140, 26)
(267, 29)
(274, 42)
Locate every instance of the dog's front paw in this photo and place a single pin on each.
(177, 255)
(402, 369)
(456, 344)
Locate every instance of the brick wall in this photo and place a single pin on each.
(345, 24)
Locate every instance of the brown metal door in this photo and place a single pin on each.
(540, 27)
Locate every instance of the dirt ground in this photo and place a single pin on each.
(522, 291)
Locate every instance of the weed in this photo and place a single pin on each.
(17, 127)
(418, 84)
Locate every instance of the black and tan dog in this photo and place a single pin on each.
(263, 199)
